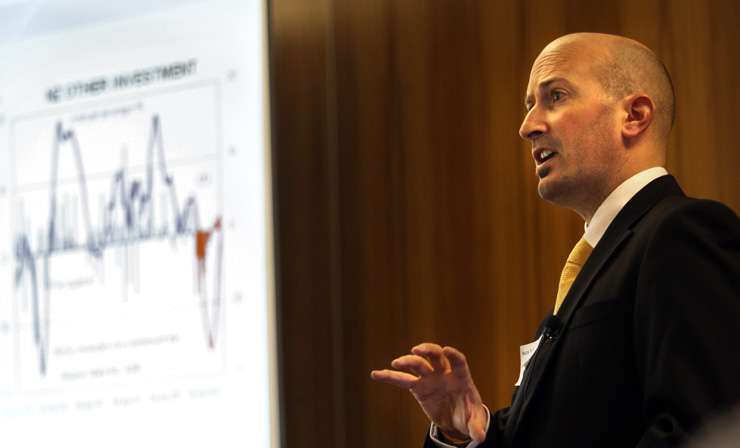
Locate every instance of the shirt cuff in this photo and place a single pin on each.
(435, 435)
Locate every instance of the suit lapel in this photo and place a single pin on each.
(615, 236)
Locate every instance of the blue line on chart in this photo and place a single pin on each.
(127, 218)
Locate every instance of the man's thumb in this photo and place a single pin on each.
(477, 425)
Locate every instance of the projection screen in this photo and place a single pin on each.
(136, 262)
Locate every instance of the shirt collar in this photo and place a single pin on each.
(607, 211)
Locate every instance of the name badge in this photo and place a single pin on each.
(525, 354)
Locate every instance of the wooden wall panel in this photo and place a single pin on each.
(303, 155)
(406, 201)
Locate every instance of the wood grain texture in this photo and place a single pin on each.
(407, 208)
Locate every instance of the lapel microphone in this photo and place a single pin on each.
(553, 327)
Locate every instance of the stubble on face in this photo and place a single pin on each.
(580, 179)
(581, 133)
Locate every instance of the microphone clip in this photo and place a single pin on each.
(553, 328)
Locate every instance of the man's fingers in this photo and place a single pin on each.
(413, 364)
(433, 353)
(457, 360)
(398, 379)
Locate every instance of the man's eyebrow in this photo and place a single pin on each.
(546, 83)
(543, 85)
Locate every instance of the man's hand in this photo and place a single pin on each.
(440, 381)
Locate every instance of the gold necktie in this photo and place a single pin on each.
(576, 260)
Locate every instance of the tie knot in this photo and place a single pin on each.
(580, 252)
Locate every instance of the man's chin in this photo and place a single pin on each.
(549, 189)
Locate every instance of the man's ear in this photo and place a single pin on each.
(640, 111)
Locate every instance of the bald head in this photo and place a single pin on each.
(599, 110)
(625, 67)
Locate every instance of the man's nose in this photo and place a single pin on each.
(533, 125)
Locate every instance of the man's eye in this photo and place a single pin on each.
(556, 95)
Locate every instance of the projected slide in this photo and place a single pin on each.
(135, 227)
(102, 223)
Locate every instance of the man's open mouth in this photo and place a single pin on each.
(543, 155)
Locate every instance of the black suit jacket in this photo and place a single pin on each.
(648, 350)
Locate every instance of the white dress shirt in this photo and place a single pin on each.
(593, 231)
(608, 210)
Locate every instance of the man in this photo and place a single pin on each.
(641, 350)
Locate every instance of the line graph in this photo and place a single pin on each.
(140, 209)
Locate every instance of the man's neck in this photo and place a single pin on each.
(628, 169)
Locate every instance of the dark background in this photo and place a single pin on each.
(406, 205)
